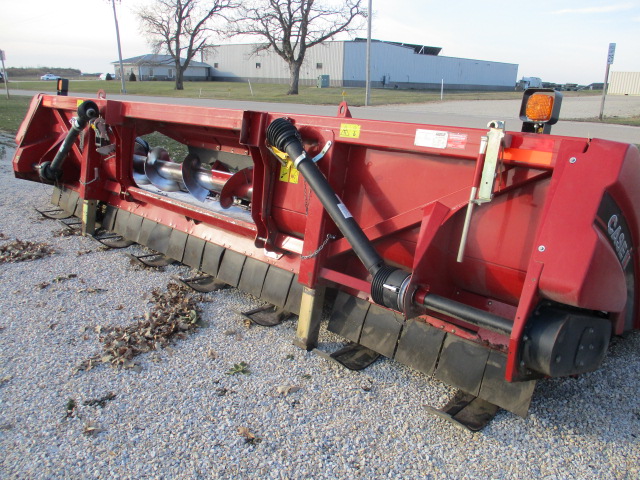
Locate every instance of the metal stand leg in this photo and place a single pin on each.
(89, 217)
(310, 317)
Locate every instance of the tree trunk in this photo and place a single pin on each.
(294, 77)
(179, 77)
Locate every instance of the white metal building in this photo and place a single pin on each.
(161, 67)
(624, 83)
(392, 64)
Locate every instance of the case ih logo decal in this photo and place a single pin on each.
(611, 220)
(617, 237)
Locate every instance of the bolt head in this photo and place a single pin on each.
(542, 248)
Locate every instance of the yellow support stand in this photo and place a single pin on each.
(310, 317)
(89, 208)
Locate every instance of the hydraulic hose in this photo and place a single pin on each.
(52, 171)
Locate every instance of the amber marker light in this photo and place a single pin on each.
(62, 86)
(540, 109)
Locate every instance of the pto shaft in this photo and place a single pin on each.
(52, 171)
(285, 137)
(389, 283)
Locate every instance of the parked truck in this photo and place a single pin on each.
(529, 82)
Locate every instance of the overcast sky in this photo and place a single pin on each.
(559, 41)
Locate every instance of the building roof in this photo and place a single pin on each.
(419, 49)
(154, 59)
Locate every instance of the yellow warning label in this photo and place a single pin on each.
(284, 173)
(78, 102)
(293, 176)
(288, 173)
(349, 130)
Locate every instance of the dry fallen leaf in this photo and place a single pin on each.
(249, 437)
(221, 391)
(100, 402)
(287, 389)
(91, 429)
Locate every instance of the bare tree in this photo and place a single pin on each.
(290, 27)
(181, 28)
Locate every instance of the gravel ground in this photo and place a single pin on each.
(179, 416)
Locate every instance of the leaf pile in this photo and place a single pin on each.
(21, 251)
(174, 313)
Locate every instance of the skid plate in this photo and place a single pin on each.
(267, 282)
(473, 368)
(467, 411)
(352, 356)
(266, 315)
(201, 283)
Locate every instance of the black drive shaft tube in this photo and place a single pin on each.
(52, 171)
(285, 137)
(388, 285)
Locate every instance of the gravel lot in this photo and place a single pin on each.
(179, 416)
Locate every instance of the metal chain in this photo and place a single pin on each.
(324, 244)
(307, 198)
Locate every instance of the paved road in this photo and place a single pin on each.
(473, 114)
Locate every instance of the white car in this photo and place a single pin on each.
(49, 76)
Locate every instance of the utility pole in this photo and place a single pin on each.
(367, 94)
(115, 18)
(4, 73)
